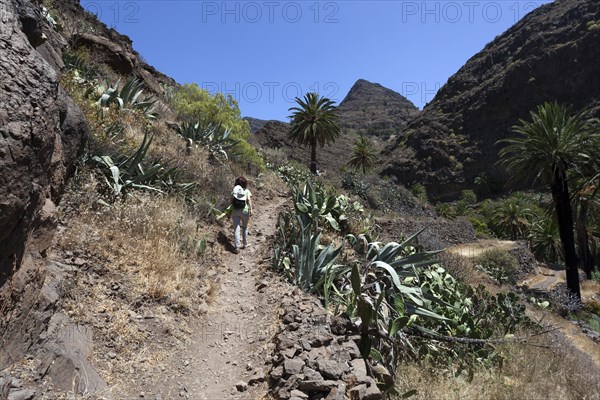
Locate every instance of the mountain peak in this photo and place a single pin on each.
(372, 109)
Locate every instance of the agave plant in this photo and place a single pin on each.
(312, 203)
(84, 69)
(300, 254)
(122, 173)
(129, 97)
(312, 260)
(215, 137)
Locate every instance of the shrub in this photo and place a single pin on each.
(194, 104)
(293, 174)
(444, 210)
(563, 301)
(499, 264)
(80, 64)
(596, 276)
(461, 208)
(419, 191)
(469, 197)
(511, 218)
(482, 184)
(544, 240)
(480, 226)
(458, 266)
(352, 181)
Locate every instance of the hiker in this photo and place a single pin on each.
(241, 212)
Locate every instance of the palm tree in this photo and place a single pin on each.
(314, 122)
(363, 155)
(549, 145)
(511, 218)
(544, 239)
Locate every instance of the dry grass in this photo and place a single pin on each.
(554, 371)
(150, 248)
(461, 268)
(154, 239)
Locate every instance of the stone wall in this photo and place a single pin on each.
(316, 356)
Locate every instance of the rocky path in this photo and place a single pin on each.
(225, 356)
(475, 249)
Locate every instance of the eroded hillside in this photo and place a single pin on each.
(551, 54)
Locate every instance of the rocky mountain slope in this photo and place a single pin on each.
(368, 109)
(373, 110)
(43, 134)
(255, 123)
(551, 54)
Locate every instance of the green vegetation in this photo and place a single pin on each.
(596, 276)
(293, 175)
(214, 137)
(128, 97)
(318, 208)
(545, 241)
(590, 316)
(314, 121)
(194, 105)
(511, 218)
(356, 184)
(593, 25)
(363, 155)
(483, 185)
(500, 265)
(419, 191)
(79, 63)
(554, 142)
(128, 172)
(401, 299)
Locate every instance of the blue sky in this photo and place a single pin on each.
(265, 53)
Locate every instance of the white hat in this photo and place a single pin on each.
(239, 192)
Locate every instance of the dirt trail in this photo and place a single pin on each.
(475, 249)
(231, 342)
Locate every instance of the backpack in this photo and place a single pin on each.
(238, 204)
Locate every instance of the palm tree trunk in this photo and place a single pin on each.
(583, 240)
(313, 157)
(562, 202)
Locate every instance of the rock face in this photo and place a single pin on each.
(107, 47)
(41, 134)
(371, 109)
(551, 54)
